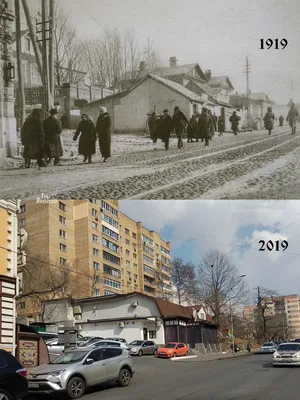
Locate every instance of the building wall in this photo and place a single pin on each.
(8, 272)
(293, 315)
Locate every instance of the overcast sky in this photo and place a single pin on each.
(217, 34)
(233, 227)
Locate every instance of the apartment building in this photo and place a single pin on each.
(8, 272)
(285, 308)
(102, 250)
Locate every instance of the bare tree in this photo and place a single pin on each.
(220, 285)
(184, 281)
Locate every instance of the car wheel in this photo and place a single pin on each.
(140, 353)
(76, 387)
(155, 352)
(124, 377)
(4, 395)
(174, 355)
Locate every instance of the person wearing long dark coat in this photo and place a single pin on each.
(292, 118)
(235, 120)
(205, 125)
(179, 123)
(166, 128)
(221, 127)
(52, 129)
(213, 125)
(152, 123)
(87, 141)
(32, 138)
(269, 120)
(192, 129)
(281, 119)
(103, 129)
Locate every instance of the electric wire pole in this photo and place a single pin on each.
(247, 69)
(51, 52)
(21, 93)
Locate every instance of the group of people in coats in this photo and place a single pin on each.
(42, 138)
(200, 127)
(292, 118)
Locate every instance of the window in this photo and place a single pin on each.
(111, 283)
(134, 235)
(63, 234)
(96, 278)
(96, 238)
(152, 334)
(93, 201)
(94, 212)
(147, 240)
(97, 292)
(111, 271)
(127, 253)
(96, 252)
(28, 44)
(135, 276)
(94, 225)
(22, 208)
(165, 251)
(108, 293)
(135, 256)
(62, 220)
(128, 274)
(22, 221)
(62, 206)
(110, 233)
(111, 353)
(111, 258)
(127, 231)
(134, 265)
(109, 208)
(166, 269)
(127, 263)
(62, 247)
(62, 261)
(127, 242)
(22, 305)
(148, 250)
(147, 259)
(110, 221)
(96, 265)
(149, 270)
(110, 245)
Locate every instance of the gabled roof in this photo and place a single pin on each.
(172, 310)
(184, 69)
(171, 85)
(259, 96)
(220, 81)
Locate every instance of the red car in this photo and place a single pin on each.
(173, 349)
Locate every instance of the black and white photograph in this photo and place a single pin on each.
(160, 100)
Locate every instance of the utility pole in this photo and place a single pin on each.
(51, 51)
(247, 72)
(21, 93)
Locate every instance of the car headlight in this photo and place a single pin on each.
(296, 356)
(56, 373)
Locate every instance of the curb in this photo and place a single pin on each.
(182, 358)
(215, 359)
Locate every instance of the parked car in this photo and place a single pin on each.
(86, 341)
(108, 343)
(117, 339)
(287, 354)
(13, 377)
(74, 371)
(140, 347)
(48, 335)
(173, 349)
(268, 347)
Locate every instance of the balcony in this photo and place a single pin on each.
(149, 289)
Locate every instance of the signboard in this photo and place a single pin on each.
(28, 353)
(67, 338)
(75, 113)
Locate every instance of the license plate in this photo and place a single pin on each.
(33, 385)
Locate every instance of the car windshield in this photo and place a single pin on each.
(170, 345)
(268, 344)
(70, 357)
(137, 343)
(289, 347)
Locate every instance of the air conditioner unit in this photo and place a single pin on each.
(121, 324)
(134, 304)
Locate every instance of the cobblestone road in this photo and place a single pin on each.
(250, 165)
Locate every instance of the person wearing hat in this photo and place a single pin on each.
(103, 129)
(87, 141)
(269, 120)
(205, 125)
(32, 138)
(52, 129)
(166, 128)
(234, 119)
(179, 123)
(221, 127)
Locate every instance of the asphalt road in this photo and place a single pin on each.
(246, 378)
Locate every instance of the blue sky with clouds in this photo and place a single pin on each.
(233, 227)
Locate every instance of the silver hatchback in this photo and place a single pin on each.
(141, 347)
(76, 370)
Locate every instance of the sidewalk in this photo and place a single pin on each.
(215, 357)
